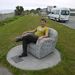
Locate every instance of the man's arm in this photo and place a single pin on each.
(32, 31)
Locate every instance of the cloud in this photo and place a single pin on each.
(28, 4)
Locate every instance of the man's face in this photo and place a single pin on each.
(43, 23)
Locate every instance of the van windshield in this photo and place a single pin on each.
(65, 12)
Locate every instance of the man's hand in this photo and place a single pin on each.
(26, 32)
(40, 38)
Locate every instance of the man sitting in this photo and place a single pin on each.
(32, 36)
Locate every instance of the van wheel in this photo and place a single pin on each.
(57, 20)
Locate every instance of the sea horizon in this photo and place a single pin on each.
(3, 11)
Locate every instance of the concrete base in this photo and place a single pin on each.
(30, 62)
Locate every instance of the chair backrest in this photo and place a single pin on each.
(53, 33)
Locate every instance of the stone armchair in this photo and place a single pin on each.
(45, 46)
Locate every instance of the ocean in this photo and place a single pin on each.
(6, 14)
(6, 11)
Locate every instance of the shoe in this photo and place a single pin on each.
(18, 39)
(23, 55)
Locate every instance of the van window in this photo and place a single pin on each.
(65, 12)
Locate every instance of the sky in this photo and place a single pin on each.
(33, 4)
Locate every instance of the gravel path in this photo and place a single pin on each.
(71, 22)
(5, 71)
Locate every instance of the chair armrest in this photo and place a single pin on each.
(44, 40)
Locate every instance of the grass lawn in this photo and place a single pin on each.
(65, 44)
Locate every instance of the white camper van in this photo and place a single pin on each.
(59, 14)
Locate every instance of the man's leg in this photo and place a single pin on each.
(24, 46)
(30, 38)
(19, 38)
(25, 41)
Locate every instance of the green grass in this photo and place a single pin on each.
(65, 44)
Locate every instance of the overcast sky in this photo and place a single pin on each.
(29, 4)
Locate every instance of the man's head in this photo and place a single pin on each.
(43, 22)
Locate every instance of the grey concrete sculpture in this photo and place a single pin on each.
(45, 46)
